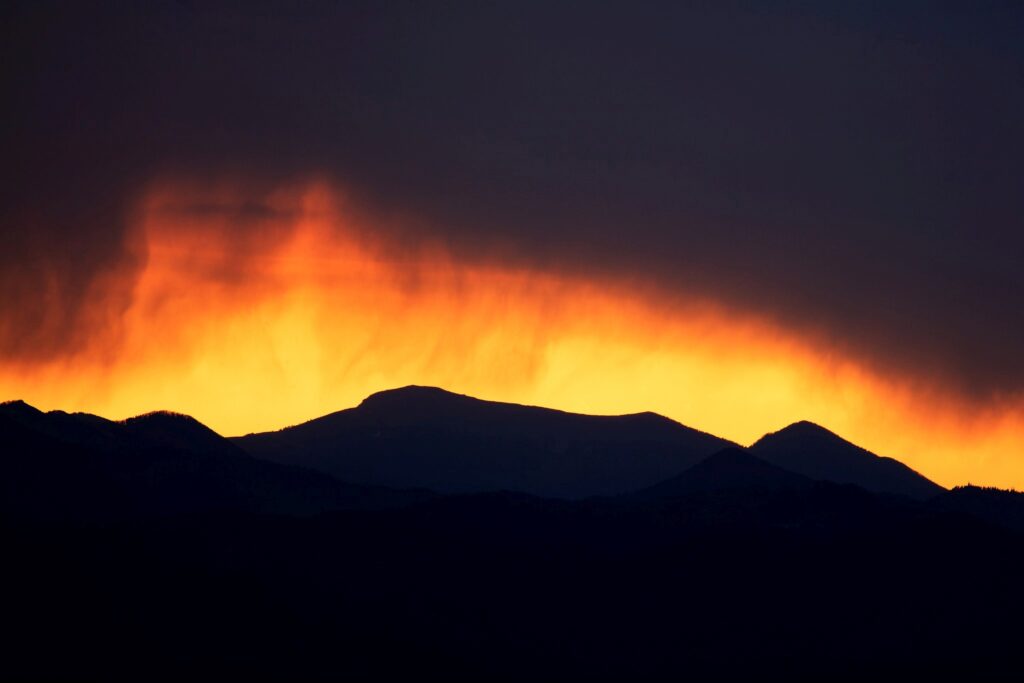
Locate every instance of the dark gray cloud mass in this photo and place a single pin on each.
(850, 169)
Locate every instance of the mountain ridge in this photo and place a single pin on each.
(816, 452)
(406, 425)
(78, 466)
(425, 437)
(252, 569)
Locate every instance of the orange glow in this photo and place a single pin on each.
(300, 308)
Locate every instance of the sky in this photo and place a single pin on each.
(737, 214)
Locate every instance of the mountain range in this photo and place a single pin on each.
(429, 438)
(83, 468)
(429, 534)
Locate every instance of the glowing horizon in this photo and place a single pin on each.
(310, 309)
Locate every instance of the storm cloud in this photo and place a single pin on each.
(849, 170)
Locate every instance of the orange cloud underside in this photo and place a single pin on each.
(303, 311)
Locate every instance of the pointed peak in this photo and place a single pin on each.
(804, 429)
(816, 452)
(806, 426)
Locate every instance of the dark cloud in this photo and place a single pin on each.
(850, 169)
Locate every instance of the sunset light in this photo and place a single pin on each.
(256, 311)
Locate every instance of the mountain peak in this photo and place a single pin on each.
(419, 403)
(167, 417)
(818, 453)
(805, 429)
(426, 437)
(413, 393)
(427, 400)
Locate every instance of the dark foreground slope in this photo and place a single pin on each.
(996, 506)
(430, 438)
(831, 583)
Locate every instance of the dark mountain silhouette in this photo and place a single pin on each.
(81, 429)
(813, 451)
(426, 437)
(153, 548)
(730, 470)
(44, 478)
(83, 467)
